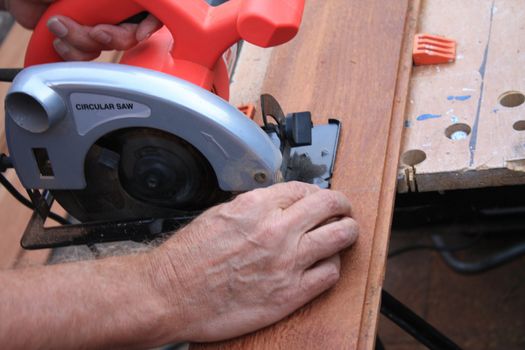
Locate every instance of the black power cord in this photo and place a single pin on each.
(8, 74)
(488, 263)
(5, 163)
(466, 267)
(441, 248)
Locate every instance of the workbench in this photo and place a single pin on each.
(465, 121)
(352, 61)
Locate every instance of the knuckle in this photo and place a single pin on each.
(333, 273)
(333, 269)
(353, 227)
(297, 185)
(250, 198)
(336, 201)
(341, 235)
(240, 202)
(300, 188)
(306, 247)
(332, 200)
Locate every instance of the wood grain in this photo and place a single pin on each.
(344, 64)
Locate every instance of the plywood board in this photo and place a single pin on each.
(457, 133)
(345, 64)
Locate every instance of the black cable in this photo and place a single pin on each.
(442, 248)
(379, 344)
(483, 265)
(26, 202)
(14, 192)
(414, 325)
(8, 74)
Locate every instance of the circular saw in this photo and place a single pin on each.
(122, 146)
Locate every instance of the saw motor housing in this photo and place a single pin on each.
(53, 121)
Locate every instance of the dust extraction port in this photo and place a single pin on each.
(43, 162)
(35, 112)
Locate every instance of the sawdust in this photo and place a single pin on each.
(516, 165)
(99, 251)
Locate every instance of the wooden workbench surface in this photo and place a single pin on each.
(459, 133)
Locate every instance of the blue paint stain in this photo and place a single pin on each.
(459, 98)
(454, 119)
(495, 110)
(428, 116)
(408, 123)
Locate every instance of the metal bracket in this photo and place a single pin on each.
(36, 236)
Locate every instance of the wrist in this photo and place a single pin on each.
(140, 315)
(164, 282)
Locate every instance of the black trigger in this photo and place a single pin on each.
(136, 19)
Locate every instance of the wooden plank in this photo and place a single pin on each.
(344, 64)
(13, 215)
(490, 61)
(376, 274)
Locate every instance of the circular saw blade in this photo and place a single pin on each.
(142, 173)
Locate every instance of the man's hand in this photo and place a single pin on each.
(77, 42)
(248, 263)
(238, 267)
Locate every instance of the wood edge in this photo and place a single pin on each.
(377, 265)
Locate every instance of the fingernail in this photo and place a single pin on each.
(102, 37)
(56, 27)
(61, 47)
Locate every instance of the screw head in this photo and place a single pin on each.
(260, 177)
(152, 181)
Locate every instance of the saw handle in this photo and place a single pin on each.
(197, 33)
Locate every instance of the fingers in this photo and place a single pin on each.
(73, 42)
(147, 27)
(74, 34)
(76, 42)
(27, 13)
(121, 37)
(327, 240)
(286, 194)
(320, 277)
(318, 207)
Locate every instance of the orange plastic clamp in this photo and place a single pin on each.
(248, 110)
(433, 49)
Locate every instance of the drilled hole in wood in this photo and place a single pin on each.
(519, 125)
(511, 99)
(458, 131)
(413, 157)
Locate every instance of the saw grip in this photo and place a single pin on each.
(193, 39)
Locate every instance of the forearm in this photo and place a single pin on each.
(108, 303)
